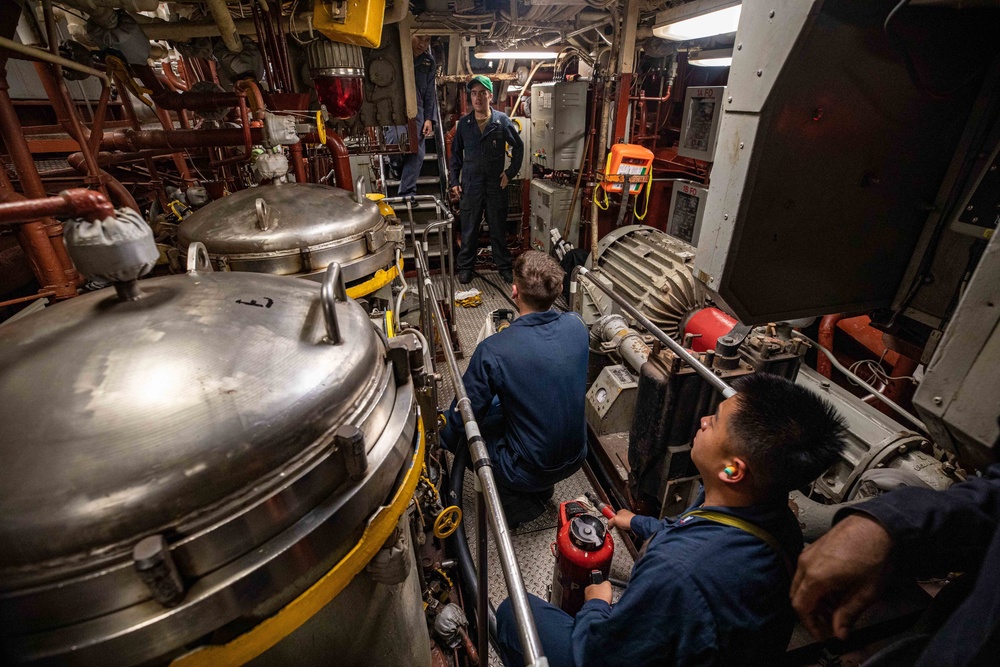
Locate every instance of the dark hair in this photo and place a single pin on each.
(788, 434)
(539, 279)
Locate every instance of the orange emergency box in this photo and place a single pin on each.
(627, 160)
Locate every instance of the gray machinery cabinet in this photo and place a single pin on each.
(558, 124)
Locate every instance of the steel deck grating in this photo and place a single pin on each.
(532, 540)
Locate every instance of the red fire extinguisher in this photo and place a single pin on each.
(582, 548)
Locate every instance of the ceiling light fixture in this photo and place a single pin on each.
(717, 58)
(523, 54)
(698, 19)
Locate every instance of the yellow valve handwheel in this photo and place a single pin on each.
(320, 127)
(447, 521)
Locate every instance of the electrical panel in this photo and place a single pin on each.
(700, 123)
(687, 206)
(549, 205)
(523, 127)
(558, 124)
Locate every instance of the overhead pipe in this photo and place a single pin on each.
(118, 192)
(136, 140)
(220, 14)
(40, 54)
(174, 101)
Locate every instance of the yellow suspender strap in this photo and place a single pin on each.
(746, 526)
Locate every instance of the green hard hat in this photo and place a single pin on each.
(482, 80)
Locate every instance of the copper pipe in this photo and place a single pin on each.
(826, 328)
(41, 295)
(31, 182)
(245, 126)
(298, 164)
(116, 190)
(172, 79)
(339, 154)
(79, 202)
(270, 70)
(154, 175)
(97, 123)
(179, 162)
(37, 246)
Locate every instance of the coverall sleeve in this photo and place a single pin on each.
(516, 149)
(644, 527)
(480, 387)
(430, 97)
(457, 156)
(662, 619)
(937, 531)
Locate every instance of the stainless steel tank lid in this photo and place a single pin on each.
(121, 419)
(292, 216)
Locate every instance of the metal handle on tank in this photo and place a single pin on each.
(197, 258)
(332, 292)
(359, 190)
(263, 214)
(674, 346)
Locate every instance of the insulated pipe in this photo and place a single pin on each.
(827, 327)
(224, 21)
(531, 645)
(704, 371)
(77, 202)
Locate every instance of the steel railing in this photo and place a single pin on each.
(489, 511)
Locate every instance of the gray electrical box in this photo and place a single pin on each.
(523, 127)
(610, 403)
(558, 124)
(549, 204)
(700, 123)
(687, 206)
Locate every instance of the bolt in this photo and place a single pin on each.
(938, 400)
(725, 217)
(901, 449)
(825, 384)
(968, 208)
(730, 100)
(741, 145)
(739, 47)
(760, 72)
(771, 15)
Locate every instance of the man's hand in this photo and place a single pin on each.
(503, 180)
(601, 591)
(622, 520)
(428, 128)
(839, 575)
(456, 192)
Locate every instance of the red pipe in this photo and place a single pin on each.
(37, 246)
(826, 328)
(76, 202)
(172, 79)
(298, 164)
(118, 192)
(341, 158)
(31, 183)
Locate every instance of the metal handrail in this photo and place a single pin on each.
(675, 347)
(488, 506)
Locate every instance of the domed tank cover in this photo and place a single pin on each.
(587, 532)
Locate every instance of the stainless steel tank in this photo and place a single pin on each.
(294, 229)
(180, 467)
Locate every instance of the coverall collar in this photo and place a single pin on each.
(535, 319)
(491, 124)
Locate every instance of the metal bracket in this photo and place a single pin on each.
(263, 214)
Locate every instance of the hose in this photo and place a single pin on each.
(459, 542)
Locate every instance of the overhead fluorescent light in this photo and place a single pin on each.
(716, 58)
(524, 54)
(698, 19)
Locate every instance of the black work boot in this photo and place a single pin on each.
(465, 277)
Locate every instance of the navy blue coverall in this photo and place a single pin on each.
(701, 593)
(537, 369)
(476, 163)
(955, 530)
(424, 69)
